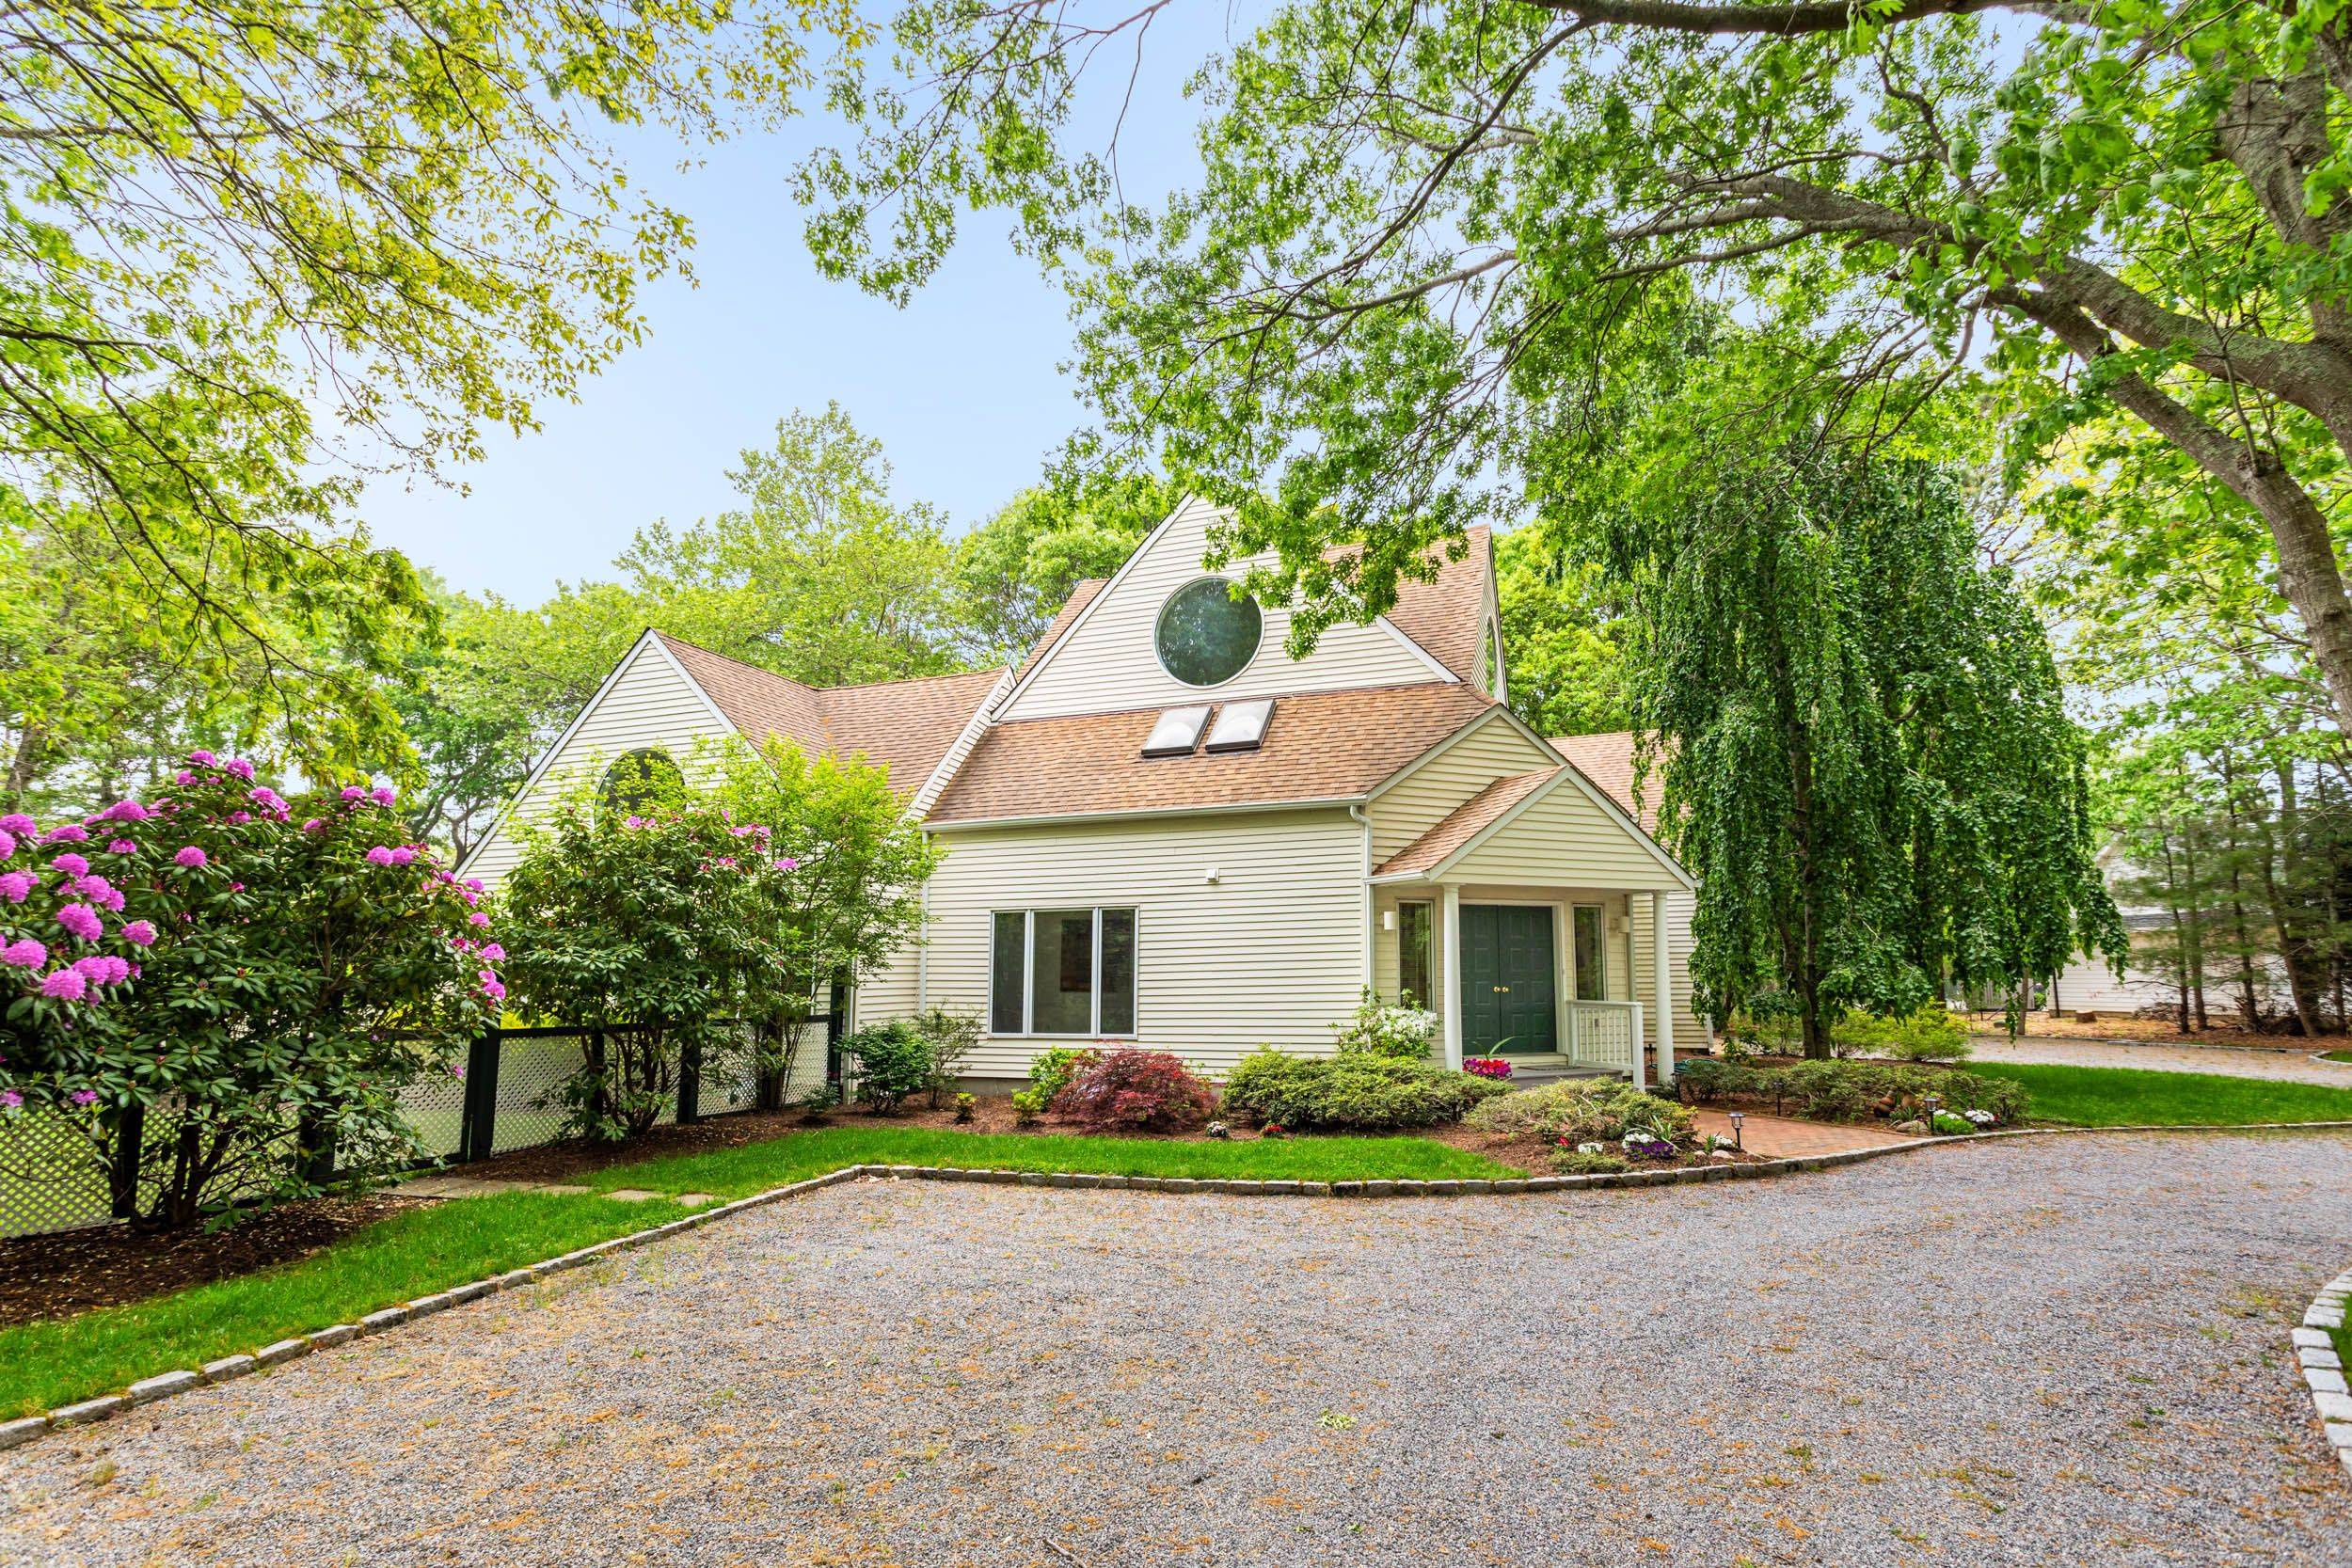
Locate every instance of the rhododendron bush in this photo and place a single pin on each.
(226, 989)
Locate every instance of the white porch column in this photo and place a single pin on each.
(1450, 973)
(1663, 978)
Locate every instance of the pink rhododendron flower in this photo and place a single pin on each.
(477, 918)
(190, 856)
(184, 776)
(379, 856)
(384, 796)
(18, 823)
(10, 1099)
(103, 969)
(71, 864)
(239, 818)
(492, 953)
(7, 844)
(82, 921)
(124, 810)
(632, 821)
(83, 1096)
(202, 759)
(403, 855)
(118, 846)
(787, 864)
(473, 884)
(236, 887)
(72, 833)
(237, 767)
(492, 987)
(266, 798)
(141, 932)
(16, 885)
(63, 985)
(353, 792)
(314, 824)
(23, 953)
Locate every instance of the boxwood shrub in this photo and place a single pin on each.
(1355, 1091)
(1599, 1110)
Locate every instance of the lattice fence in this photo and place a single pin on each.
(52, 1178)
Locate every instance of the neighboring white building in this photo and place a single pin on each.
(1161, 828)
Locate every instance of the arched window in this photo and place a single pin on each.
(1205, 636)
(638, 779)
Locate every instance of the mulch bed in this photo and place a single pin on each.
(575, 1157)
(72, 1271)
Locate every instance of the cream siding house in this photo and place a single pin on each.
(1161, 828)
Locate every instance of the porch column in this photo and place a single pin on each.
(1664, 976)
(1450, 973)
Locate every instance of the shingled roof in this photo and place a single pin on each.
(1608, 761)
(1445, 617)
(906, 726)
(1320, 746)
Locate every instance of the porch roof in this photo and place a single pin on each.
(1466, 822)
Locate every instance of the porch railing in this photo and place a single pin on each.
(1603, 1034)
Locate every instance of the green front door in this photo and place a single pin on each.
(1509, 996)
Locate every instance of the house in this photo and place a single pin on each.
(1161, 828)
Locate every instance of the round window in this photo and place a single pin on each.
(1206, 636)
(639, 779)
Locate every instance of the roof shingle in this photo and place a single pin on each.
(1606, 760)
(1321, 746)
(906, 726)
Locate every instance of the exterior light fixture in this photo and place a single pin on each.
(1212, 875)
(1738, 1121)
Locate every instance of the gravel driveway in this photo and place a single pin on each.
(2238, 1061)
(2063, 1351)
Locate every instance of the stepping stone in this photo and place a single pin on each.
(696, 1200)
(630, 1195)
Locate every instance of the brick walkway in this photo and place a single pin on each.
(1787, 1138)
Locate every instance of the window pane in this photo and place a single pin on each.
(1413, 926)
(1119, 971)
(1591, 970)
(1004, 981)
(1205, 636)
(1061, 972)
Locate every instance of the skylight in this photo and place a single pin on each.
(1178, 732)
(1241, 726)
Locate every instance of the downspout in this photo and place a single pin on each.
(1365, 920)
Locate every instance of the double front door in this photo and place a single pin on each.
(1510, 992)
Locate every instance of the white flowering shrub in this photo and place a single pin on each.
(1385, 1029)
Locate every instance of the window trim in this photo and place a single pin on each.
(1028, 973)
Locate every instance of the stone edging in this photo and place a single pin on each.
(2323, 1368)
(2324, 1312)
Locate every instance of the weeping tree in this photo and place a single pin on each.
(1858, 736)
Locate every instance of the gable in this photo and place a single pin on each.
(1104, 661)
(1428, 792)
(647, 701)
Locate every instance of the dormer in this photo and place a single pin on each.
(1166, 632)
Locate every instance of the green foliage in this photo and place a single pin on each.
(1951, 1124)
(1051, 1070)
(1578, 1162)
(1930, 1033)
(1383, 1029)
(1562, 637)
(253, 254)
(951, 1037)
(1357, 1090)
(1028, 1107)
(1852, 1091)
(893, 1061)
(655, 929)
(1013, 572)
(296, 965)
(1862, 745)
(1586, 1111)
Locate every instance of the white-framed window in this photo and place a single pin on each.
(1068, 973)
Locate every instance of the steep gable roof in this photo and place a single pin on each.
(1445, 618)
(906, 726)
(1321, 746)
(1608, 761)
(1465, 822)
(1080, 596)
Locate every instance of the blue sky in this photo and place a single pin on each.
(961, 386)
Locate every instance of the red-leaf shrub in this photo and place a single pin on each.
(1146, 1091)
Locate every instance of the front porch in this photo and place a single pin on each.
(1562, 982)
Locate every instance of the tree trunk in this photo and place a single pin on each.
(2294, 951)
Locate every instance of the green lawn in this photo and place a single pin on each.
(2130, 1097)
(57, 1361)
(2337, 1055)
